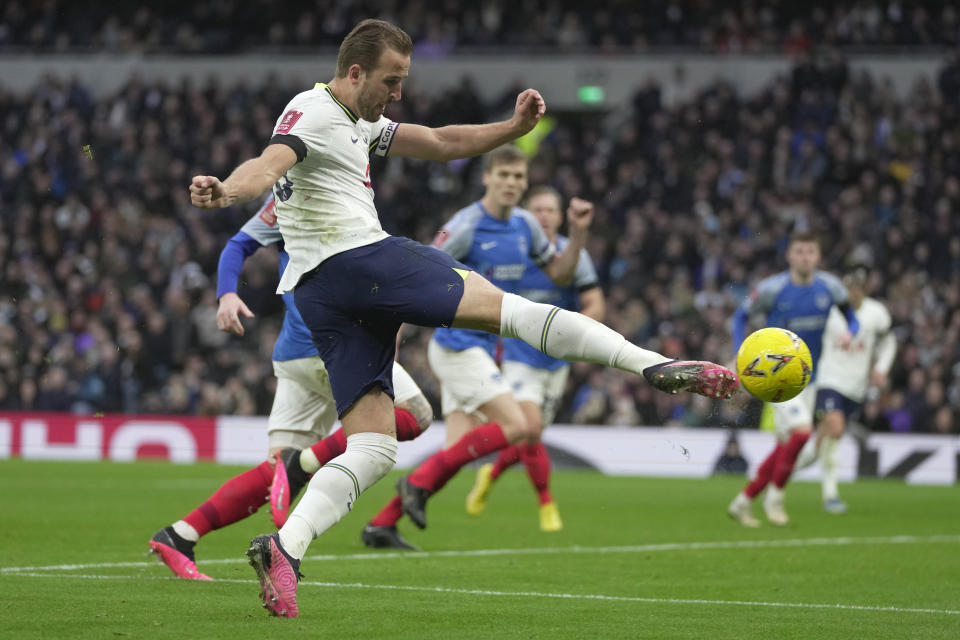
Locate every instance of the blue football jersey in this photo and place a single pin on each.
(537, 286)
(294, 340)
(499, 250)
(801, 309)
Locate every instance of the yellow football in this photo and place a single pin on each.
(774, 364)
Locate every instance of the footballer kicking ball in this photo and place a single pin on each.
(774, 364)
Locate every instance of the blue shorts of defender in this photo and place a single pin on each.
(830, 400)
(355, 301)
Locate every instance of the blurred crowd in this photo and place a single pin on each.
(108, 300)
(438, 28)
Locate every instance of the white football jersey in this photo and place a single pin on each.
(325, 201)
(847, 371)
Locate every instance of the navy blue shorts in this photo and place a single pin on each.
(355, 302)
(830, 400)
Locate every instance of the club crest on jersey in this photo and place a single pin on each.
(289, 119)
(822, 301)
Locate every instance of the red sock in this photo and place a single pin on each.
(407, 427)
(336, 443)
(236, 499)
(330, 447)
(507, 458)
(764, 473)
(443, 465)
(781, 474)
(537, 461)
(389, 515)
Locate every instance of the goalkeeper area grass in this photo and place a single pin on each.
(637, 558)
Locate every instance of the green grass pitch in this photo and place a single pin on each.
(638, 558)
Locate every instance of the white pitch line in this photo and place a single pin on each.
(468, 553)
(537, 594)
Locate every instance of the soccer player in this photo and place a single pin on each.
(354, 285)
(800, 300)
(537, 380)
(495, 237)
(847, 371)
(303, 412)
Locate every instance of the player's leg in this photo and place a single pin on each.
(471, 382)
(412, 411)
(538, 392)
(741, 508)
(303, 413)
(793, 420)
(833, 424)
(506, 424)
(381, 531)
(357, 343)
(297, 418)
(370, 454)
(527, 385)
(567, 335)
(826, 402)
(487, 474)
(535, 457)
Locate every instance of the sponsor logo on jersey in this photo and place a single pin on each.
(486, 246)
(508, 271)
(289, 119)
(807, 323)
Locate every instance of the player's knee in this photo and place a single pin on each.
(833, 424)
(534, 429)
(515, 428)
(419, 407)
(380, 455)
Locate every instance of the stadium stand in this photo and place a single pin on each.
(109, 275)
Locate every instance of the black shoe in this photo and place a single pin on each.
(169, 537)
(176, 553)
(414, 501)
(297, 478)
(385, 537)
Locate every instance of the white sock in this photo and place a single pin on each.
(186, 531)
(808, 454)
(740, 500)
(567, 335)
(334, 489)
(309, 461)
(774, 494)
(828, 460)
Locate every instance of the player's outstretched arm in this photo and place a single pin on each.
(468, 140)
(248, 181)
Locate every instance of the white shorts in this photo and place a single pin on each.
(542, 387)
(468, 378)
(796, 412)
(304, 410)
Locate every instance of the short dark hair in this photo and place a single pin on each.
(542, 189)
(507, 154)
(366, 42)
(857, 276)
(804, 236)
